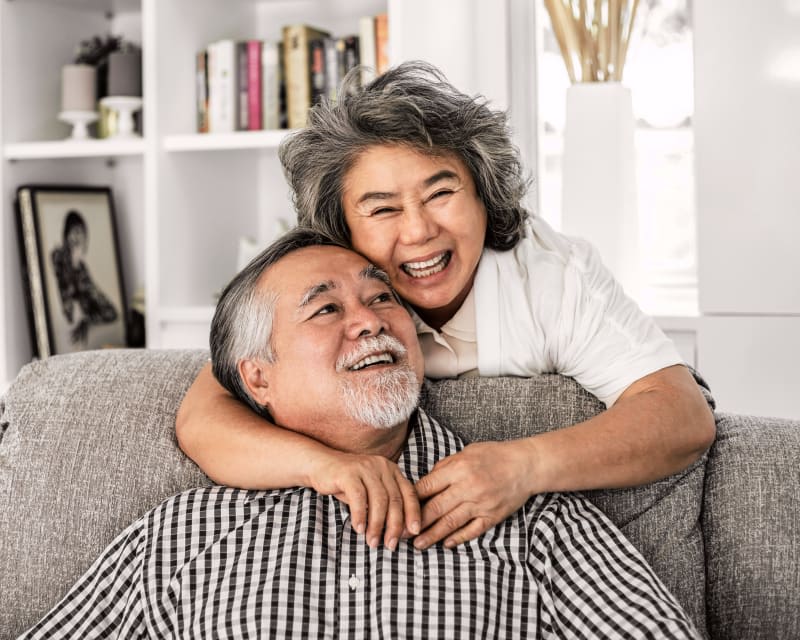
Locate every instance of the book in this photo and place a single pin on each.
(201, 89)
(242, 96)
(222, 86)
(297, 70)
(333, 74)
(366, 36)
(349, 53)
(254, 80)
(318, 69)
(381, 43)
(271, 81)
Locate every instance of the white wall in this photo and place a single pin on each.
(747, 146)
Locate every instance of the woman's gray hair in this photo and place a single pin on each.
(413, 105)
(242, 325)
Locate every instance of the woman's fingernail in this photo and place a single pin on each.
(415, 527)
(392, 544)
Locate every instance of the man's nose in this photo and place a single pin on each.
(363, 322)
(417, 225)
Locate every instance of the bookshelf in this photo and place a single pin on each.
(183, 200)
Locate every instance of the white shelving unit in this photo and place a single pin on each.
(183, 200)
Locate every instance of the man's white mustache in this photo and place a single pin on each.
(370, 345)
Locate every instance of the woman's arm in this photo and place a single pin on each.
(657, 427)
(236, 447)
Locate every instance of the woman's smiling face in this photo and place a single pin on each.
(420, 219)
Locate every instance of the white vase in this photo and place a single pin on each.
(599, 177)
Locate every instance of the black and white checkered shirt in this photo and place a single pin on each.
(226, 563)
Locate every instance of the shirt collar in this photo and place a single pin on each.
(461, 325)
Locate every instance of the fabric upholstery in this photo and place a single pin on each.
(661, 519)
(87, 445)
(89, 448)
(753, 477)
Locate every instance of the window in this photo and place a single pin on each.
(659, 73)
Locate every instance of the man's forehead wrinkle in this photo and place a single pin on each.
(316, 290)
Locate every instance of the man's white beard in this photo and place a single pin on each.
(384, 399)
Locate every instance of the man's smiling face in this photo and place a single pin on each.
(346, 351)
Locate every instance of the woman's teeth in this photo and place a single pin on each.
(428, 267)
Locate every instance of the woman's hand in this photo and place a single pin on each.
(471, 491)
(380, 497)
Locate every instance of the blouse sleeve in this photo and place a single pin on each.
(601, 337)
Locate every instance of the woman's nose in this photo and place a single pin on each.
(417, 226)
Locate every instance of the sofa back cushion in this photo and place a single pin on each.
(88, 445)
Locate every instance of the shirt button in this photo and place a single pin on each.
(354, 582)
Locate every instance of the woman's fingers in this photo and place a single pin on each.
(380, 498)
(471, 491)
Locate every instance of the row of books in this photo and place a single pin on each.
(249, 85)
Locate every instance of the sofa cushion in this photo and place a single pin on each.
(89, 446)
(661, 519)
(751, 520)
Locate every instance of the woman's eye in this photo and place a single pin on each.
(382, 211)
(441, 192)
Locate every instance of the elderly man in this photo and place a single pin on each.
(313, 335)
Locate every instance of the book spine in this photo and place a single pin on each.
(201, 78)
(242, 108)
(222, 86)
(32, 274)
(270, 85)
(366, 35)
(351, 53)
(254, 91)
(297, 71)
(283, 101)
(381, 43)
(317, 56)
(332, 76)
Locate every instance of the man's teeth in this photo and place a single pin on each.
(381, 358)
(428, 267)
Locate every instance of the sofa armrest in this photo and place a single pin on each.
(751, 527)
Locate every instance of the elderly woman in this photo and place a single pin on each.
(425, 182)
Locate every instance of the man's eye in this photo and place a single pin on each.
(326, 310)
(383, 297)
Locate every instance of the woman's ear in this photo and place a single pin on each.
(254, 374)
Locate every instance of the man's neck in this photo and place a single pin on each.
(388, 443)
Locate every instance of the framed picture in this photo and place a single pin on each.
(71, 268)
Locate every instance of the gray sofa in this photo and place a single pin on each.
(87, 445)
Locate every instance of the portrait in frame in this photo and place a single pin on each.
(71, 268)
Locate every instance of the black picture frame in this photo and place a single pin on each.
(72, 274)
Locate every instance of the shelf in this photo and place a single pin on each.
(225, 141)
(44, 150)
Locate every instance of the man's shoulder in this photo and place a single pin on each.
(428, 442)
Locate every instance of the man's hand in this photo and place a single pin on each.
(375, 489)
(471, 491)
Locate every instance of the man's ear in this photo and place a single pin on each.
(255, 375)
